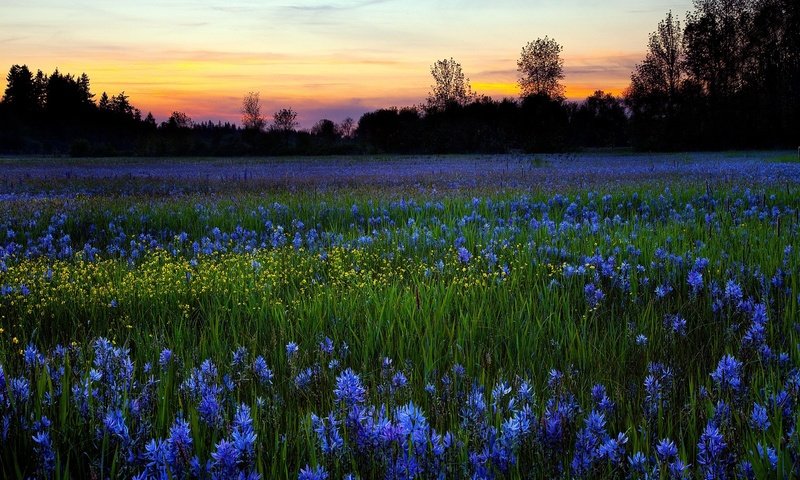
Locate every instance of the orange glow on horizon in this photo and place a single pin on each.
(211, 85)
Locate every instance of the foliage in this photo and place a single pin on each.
(251, 112)
(541, 69)
(449, 85)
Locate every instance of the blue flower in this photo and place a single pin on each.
(695, 281)
(32, 357)
(209, 408)
(638, 463)
(179, 447)
(303, 379)
(165, 357)
(261, 371)
(594, 295)
(663, 290)
(711, 452)
(43, 447)
(728, 374)
(326, 346)
(666, 450)
(114, 424)
(768, 453)
(291, 350)
(759, 419)
(330, 440)
(224, 460)
(349, 389)
(463, 255)
(244, 437)
(20, 390)
(733, 292)
(309, 473)
(239, 357)
(678, 470)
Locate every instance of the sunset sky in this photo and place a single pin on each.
(325, 59)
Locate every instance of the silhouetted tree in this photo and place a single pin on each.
(716, 44)
(449, 85)
(346, 129)
(325, 128)
(391, 130)
(104, 103)
(150, 121)
(120, 105)
(178, 121)
(20, 94)
(543, 124)
(284, 120)
(40, 89)
(68, 98)
(772, 83)
(541, 68)
(655, 92)
(251, 112)
(600, 121)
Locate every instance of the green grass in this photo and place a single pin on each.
(383, 302)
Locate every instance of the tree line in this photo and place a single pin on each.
(728, 76)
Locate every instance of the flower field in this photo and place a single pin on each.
(558, 318)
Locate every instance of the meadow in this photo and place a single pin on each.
(514, 316)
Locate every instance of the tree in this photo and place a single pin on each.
(658, 94)
(449, 87)
(119, 104)
(20, 93)
(67, 97)
(325, 129)
(346, 129)
(659, 76)
(716, 44)
(600, 121)
(541, 68)
(104, 103)
(251, 112)
(178, 121)
(87, 97)
(284, 120)
(150, 120)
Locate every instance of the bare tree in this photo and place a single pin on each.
(284, 120)
(450, 86)
(251, 112)
(347, 128)
(541, 68)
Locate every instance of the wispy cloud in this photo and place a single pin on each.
(335, 6)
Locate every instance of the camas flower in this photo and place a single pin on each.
(728, 374)
(695, 281)
(317, 473)
(666, 450)
(349, 389)
(291, 350)
(261, 371)
(463, 255)
(759, 419)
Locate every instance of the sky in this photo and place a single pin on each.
(324, 59)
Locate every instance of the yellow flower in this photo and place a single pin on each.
(15, 340)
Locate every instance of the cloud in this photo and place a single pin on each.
(339, 6)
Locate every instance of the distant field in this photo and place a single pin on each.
(516, 316)
(541, 172)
